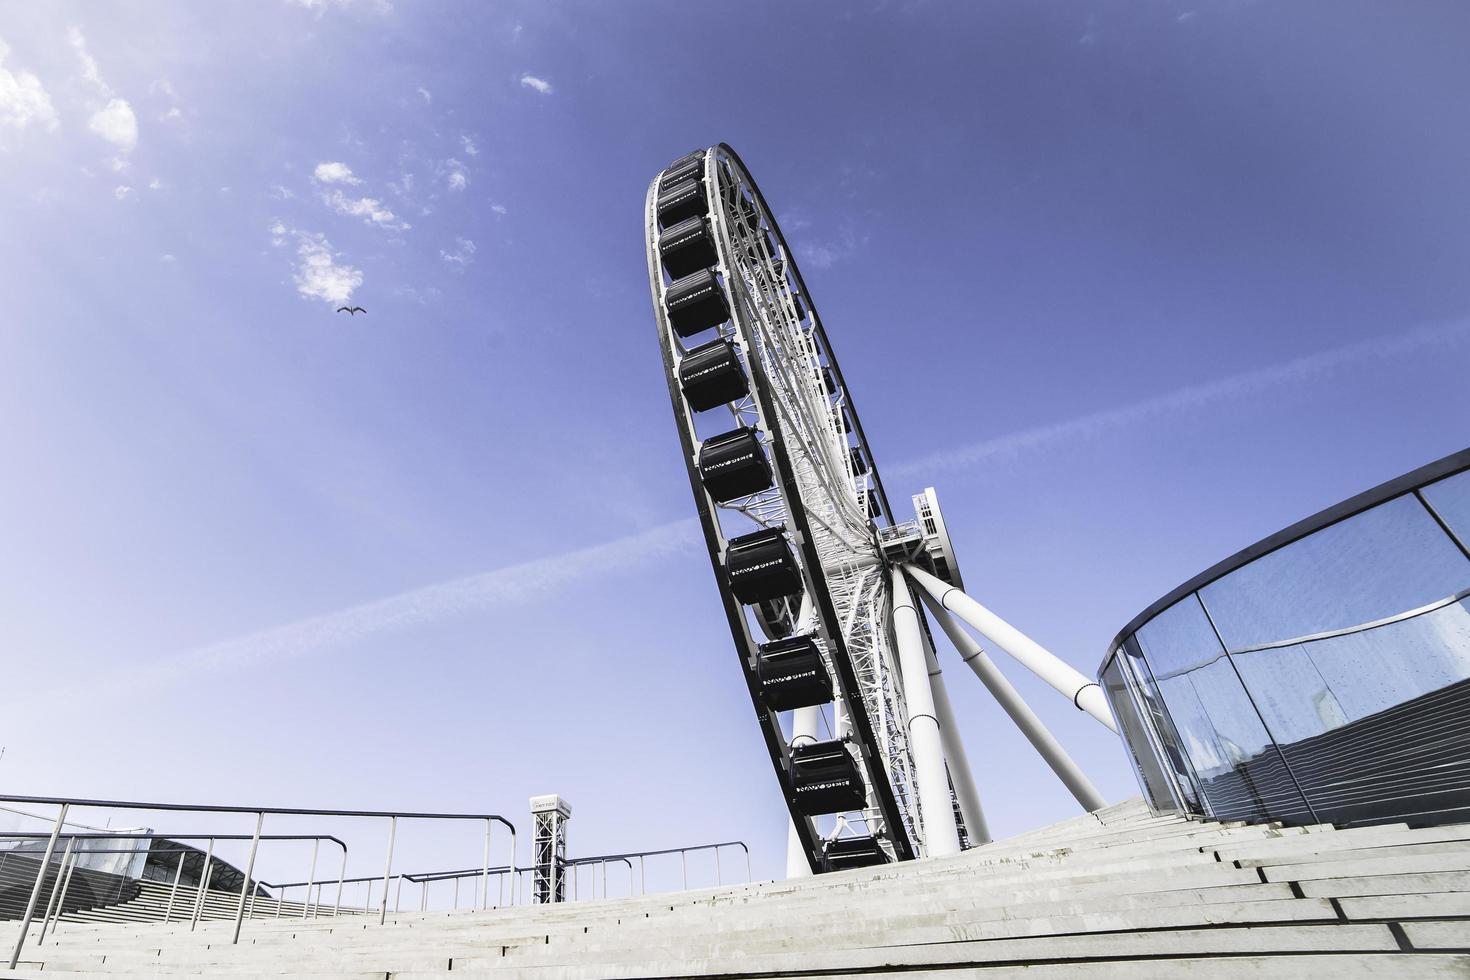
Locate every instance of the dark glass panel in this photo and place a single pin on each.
(1371, 722)
(1170, 744)
(1141, 747)
(1239, 767)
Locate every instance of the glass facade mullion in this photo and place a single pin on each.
(1275, 745)
(1460, 537)
(1176, 755)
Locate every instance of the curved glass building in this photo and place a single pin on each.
(1321, 675)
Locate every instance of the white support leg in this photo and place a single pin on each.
(1020, 712)
(804, 723)
(1083, 693)
(941, 838)
(954, 752)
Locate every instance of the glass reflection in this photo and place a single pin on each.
(1450, 499)
(1343, 692)
(1380, 563)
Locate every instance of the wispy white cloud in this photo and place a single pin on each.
(426, 95)
(334, 172)
(317, 274)
(90, 72)
(536, 84)
(320, 7)
(114, 120)
(457, 175)
(122, 192)
(369, 209)
(1190, 398)
(468, 143)
(116, 123)
(23, 99)
(818, 252)
(462, 255)
(499, 209)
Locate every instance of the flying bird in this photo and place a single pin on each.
(352, 310)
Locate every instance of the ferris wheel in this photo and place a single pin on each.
(816, 572)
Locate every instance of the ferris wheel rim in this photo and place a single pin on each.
(898, 824)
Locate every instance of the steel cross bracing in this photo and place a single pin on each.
(821, 498)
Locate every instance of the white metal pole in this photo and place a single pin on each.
(954, 752)
(1083, 693)
(1020, 712)
(25, 923)
(804, 723)
(941, 838)
(56, 888)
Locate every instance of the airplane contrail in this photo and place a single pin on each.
(515, 584)
(1190, 397)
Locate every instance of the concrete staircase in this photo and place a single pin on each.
(1113, 894)
(89, 889)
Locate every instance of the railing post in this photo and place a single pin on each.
(719, 879)
(55, 889)
(484, 873)
(65, 886)
(341, 874)
(684, 864)
(398, 896)
(204, 877)
(748, 876)
(245, 889)
(642, 876)
(168, 913)
(25, 923)
(306, 906)
(387, 870)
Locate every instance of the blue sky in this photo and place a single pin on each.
(1132, 284)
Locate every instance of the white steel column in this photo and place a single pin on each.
(954, 752)
(1083, 693)
(941, 838)
(803, 730)
(1010, 699)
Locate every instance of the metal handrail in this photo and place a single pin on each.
(597, 858)
(57, 903)
(103, 835)
(208, 870)
(65, 803)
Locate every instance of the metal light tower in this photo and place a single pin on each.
(820, 579)
(549, 816)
